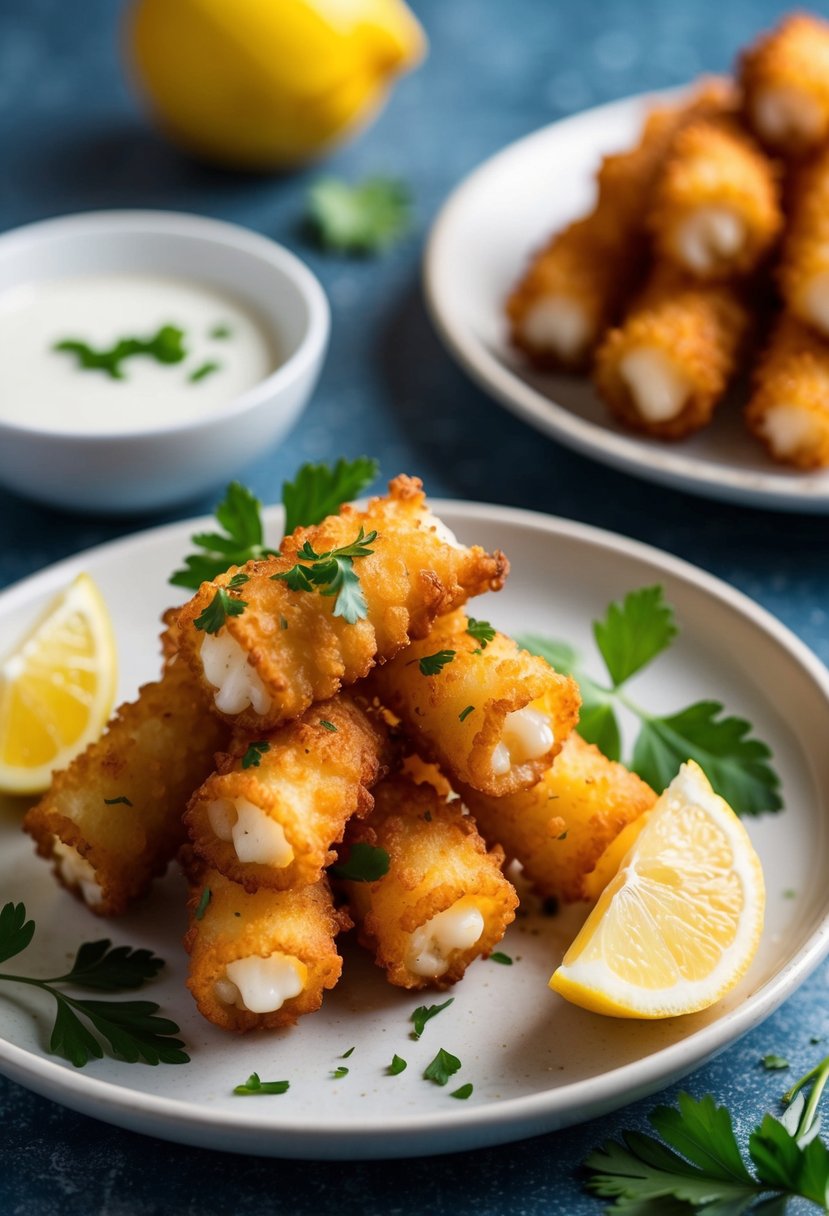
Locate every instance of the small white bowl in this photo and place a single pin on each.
(146, 469)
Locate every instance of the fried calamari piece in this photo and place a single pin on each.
(715, 211)
(804, 263)
(785, 81)
(259, 960)
(269, 816)
(665, 368)
(492, 716)
(443, 901)
(789, 408)
(288, 648)
(577, 285)
(111, 821)
(558, 829)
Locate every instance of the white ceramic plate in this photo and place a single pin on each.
(535, 1062)
(479, 245)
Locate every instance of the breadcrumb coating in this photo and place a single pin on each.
(559, 828)
(803, 272)
(294, 650)
(789, 408)
(229, 925)
(665, 368)
(784, 77)
(576, 286)
(462, 715)
(112, 820)
(438, 865)
(303, 782)
(716, 209)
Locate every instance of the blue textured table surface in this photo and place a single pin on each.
(72, 139)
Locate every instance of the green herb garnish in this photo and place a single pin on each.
(253, 756)
(204, 370)
(121, 800)
(697, 1166)
(254, 1085)
(498, 956)
(339, 1071)
(319, 490)
(365, 219)
(165, 346)
(424, 1014)
(464, 714)
(433, 664)
(220, 332)
(463, 1093)
(481, 631)
(398, 1065)
(348, 1053)
(218, 610)
(365, 863)
(332, 573)
(629, 637)
(130, 1030)
(774, 1063)
(444, 1066)
(241, 540)
(204, 900)
(327, 725)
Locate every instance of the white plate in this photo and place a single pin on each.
(536, 1063)
(479, 246)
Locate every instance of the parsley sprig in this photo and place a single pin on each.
(629, 637)
(316, 491)
(130, 1030)
(365, 863)
(697, 1166)
(365, 218)
(332, 573)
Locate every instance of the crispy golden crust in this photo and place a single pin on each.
(789, 64)
(558, 829)
(436, 857)
(713, 165)
(699, 327)
(311, 779)
(153, 753)
(235, 924)
(804, 262)
(594, 264)
(457, 716)
(302, 652)
(792, 380)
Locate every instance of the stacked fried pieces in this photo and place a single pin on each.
(707, 239)
(382, 730)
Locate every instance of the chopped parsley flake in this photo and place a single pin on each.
(424, 1014)
(433, 664)
(464, 714)
(340, 1071)
(253, 756)
(398, 1065)
(481, 631)
(206, 896)
(218, 610)
(444, 1066)
(120, 800)
(464, 1092)
(327, 725)
(254, 1085)
(365, 863)
(774, 1063)
(498, 956)
(205, 370)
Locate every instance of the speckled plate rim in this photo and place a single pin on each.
(760, 487)
(498, 1122)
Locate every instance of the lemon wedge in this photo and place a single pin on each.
(679, 924)
(56, 688)
(265, 84)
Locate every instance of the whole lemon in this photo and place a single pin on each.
(263, 84)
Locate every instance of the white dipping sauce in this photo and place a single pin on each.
(45, 388)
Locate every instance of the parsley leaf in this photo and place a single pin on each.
(121, 800)
(326, 725)
(254, 1085)
(366, 218)
(204, 901)
(241, 541)
(365, 863)
(348, 1053)
(433, 664)
(464, 714)
(772, 1062)
(481, 631)
(631, 634)
(132, 1029)
(463, 1093)
(398, 1065)
(204, 370)
(218, 610)
(339, 1071)
(332, 573)
(319, 490)
(498, 956)
(256, 750)
(424, 1014)
(444, 1066)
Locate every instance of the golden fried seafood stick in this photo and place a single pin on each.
(789, 408)
(715, 212)
(785, 81)
(493, 716)
(804, 262)
(558, 829)
(576, 286)
(259, 960)
(269, 816)
(665, 368)
(443, 901)
(111, 821)
(287, 648)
